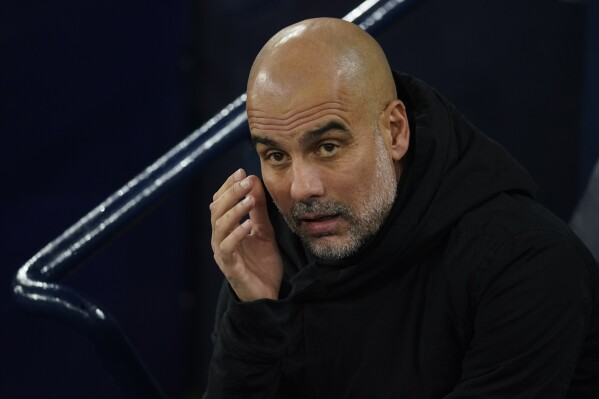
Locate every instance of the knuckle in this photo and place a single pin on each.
(240, 205)
(223, 248)
(218, 224)
(215, 245)
(219, 261)
(235, 187)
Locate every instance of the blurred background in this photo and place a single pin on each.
(92, 92)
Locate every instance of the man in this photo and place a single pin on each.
(405, 256)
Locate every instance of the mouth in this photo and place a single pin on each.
(319, 224)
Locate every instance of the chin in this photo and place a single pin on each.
(331, 248)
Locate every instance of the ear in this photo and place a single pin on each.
(395, 129)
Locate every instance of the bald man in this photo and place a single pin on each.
(391, 249)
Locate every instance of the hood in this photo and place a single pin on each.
(452, 168)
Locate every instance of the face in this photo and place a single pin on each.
(326, 166)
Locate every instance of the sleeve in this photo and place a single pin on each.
(250, 341)
(532, 304)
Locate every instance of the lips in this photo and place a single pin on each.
(319, 224)
(313, 217)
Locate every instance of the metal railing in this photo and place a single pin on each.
(36, 285)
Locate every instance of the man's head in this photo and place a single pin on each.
(331, 134)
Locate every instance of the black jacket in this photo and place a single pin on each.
(470, 290)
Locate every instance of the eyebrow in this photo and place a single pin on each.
(307, 137)
(332, 125)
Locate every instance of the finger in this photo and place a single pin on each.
(230, 220)
(230, 198)
(259, 213)
(230, 244)
(235, 177)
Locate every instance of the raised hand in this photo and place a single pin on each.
(246, 252)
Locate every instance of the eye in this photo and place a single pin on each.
(275, 157)
(327, 149)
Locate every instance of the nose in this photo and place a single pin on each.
(306, 182)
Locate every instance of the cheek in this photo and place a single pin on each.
(360, 167)
(278, 190)
(358, 177)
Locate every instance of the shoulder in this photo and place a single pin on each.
(514, 239)
(508, 220)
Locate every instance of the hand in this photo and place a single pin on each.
(246, 253)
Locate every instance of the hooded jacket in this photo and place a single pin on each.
(470, 289)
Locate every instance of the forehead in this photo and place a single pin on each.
(301, 108)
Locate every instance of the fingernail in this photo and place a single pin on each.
(245, 183)
(238, 175)
(245, 201)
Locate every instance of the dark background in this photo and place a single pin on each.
(92, 92)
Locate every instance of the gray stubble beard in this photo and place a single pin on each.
(363, 223)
